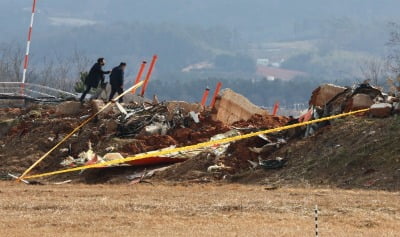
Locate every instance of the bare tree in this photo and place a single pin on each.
(373, 70)
(393, 46)
(393, 57)
(58, 71)
(11, 57)
(61, 72)
(80, 61)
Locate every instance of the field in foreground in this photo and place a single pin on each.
(210, 210)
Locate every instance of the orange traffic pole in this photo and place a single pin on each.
(139, 75)
(205, 96)
(276, 107)
(217, 90)
(146, 81)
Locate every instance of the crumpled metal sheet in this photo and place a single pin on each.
(151, 120)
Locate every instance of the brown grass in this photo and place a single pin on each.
(211, 210)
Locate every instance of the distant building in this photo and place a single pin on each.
(198, 67)
(272, 73)
(263, 61)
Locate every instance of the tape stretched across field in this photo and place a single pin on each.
(193, 147)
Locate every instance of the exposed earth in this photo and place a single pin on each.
(355, 152)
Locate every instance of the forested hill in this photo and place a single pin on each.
(328, 40)
(255, 18)
(188, 31)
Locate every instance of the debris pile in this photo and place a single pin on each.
(145, 127)
(330, 99)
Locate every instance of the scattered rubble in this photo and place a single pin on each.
(350, 99)
(143, 126)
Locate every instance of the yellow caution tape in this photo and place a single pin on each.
(193, 147)
(76, 129)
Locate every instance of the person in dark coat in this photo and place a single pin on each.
(117, 81)
(96, 75)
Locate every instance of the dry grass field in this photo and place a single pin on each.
(193, 210)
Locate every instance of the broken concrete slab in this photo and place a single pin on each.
(323, 94)
(232, 107)
(360, 101)
(68, 108)
(381, 110)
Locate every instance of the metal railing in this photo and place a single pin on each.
(34, 92)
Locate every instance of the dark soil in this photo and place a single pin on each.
(353, 152)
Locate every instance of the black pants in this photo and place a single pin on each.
(115, 90)
(88, 88)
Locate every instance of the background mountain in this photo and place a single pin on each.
(328, 40)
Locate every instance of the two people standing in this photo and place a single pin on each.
(97, 75)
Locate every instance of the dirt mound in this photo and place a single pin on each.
(262, 121)
(197, 133)
(353, 152)
(239, 154)
(148, 143)
(36, 130)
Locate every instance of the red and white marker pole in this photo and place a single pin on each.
(28, 44)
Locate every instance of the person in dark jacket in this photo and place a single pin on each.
(117, 81)
(96, 75)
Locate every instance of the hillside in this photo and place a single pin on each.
(256, 18)
(352, 153)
